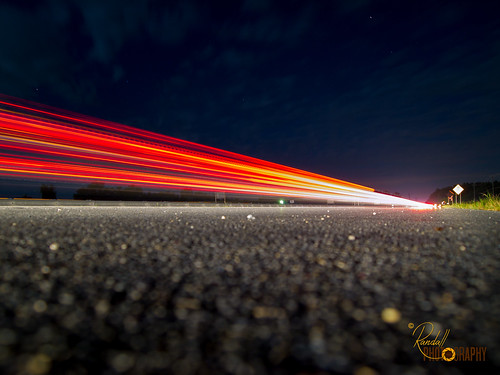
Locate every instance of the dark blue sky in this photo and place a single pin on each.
(396, 95)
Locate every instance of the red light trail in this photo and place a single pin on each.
(40, 142)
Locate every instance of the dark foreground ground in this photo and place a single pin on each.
(245, 290)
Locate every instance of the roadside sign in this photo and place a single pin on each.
(458, 189)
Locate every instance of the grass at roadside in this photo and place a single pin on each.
(488, 202)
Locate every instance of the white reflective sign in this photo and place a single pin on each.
(458, 189)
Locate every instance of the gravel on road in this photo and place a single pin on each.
(246, 290)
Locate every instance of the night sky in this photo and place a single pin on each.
(402, 96)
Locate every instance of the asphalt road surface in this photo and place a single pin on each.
(247, 290)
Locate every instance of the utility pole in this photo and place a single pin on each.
(493, 182)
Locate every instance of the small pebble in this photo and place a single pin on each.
(391, 315)
(40, 306)
(39, 364)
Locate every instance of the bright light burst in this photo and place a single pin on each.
(40, 142)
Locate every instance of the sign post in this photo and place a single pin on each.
(458, 190)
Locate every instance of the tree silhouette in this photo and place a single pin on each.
(48, 192)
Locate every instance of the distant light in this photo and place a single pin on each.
(282, 201)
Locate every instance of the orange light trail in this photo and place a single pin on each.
(40, 142)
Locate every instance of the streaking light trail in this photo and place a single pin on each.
(40, 142)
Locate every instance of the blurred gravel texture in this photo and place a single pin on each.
(244, 290)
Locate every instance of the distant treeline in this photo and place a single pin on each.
(99, 191)
(473, 191)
